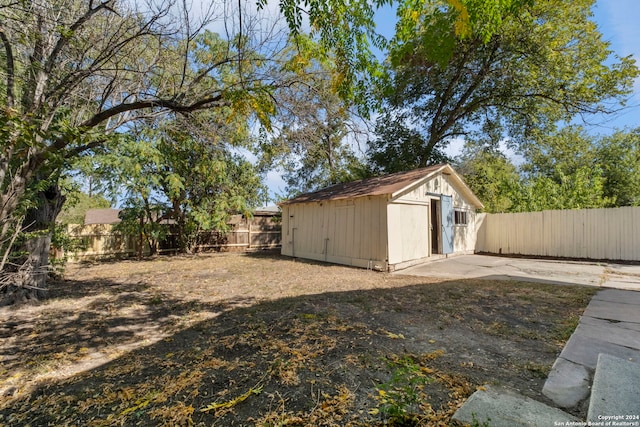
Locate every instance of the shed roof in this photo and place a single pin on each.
(392, 185)
(101, 216)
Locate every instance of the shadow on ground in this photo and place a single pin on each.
(332, 358)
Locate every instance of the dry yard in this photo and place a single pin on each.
(233, 339)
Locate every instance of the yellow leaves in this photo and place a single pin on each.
(141, 403)
(391, 335)
(233, 402)
(426, 370)
(244, 103)
(462, 25)
(175, 415)
(330, 411)
(433, 355)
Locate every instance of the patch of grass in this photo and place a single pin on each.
(562, 332)
(538, 370)
(500, 329)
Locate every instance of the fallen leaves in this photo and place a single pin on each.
(194, 358)
(217, 406)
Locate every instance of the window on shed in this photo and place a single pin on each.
(460, 217)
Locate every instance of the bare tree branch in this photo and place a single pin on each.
(63, 40)
(10, 68)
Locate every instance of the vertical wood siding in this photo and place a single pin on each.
(612, 234)
(351, 232)
(408, 232)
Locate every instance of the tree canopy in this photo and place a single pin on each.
(567, 169)
(73, 73)
(314, 129)
(541, 67)
(347, 29)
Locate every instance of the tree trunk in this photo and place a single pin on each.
(30, 278)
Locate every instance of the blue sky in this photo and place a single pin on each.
(619, 23)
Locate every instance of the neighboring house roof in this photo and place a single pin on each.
(392, 185)
(267, 210)
(101, 216)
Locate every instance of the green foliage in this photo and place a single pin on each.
(581, 190)
(346, 31)
(167, 172)
(75, 74)
(561, 172)
(61, 240)
(545, 64)
(568, 169)
(143, 218)
(618, 156)
(77, 204)
(398, 148)
(476, 423)
(313, 141)
(399, 397)
(491, 176)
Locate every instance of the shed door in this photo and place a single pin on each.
(446, 215)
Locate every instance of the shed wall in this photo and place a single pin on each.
(373, 231)
(409, 231)
(351, 232)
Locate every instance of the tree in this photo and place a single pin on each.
(619, 158)
(76, 205)
(559, 171)
(545, 65)
(168, 171)
(347, 31)
(73, 72)
(314, 131)
(491, 176)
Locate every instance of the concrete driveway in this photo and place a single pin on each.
(606, 275)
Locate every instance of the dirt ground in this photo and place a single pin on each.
(260, 339)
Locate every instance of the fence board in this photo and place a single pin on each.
(100, 241)
(612, 234)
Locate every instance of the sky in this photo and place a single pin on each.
(619, 23)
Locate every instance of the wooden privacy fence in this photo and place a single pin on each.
(611, 234)
(101, 241)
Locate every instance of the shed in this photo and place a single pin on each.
(383, 223)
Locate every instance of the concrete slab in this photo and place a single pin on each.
(568, 383)
(502, 408)
(618, 296)
(532, 270)
(606, 322)
(616, 387)
(610, 333)
(585, 351)
(613, 311)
